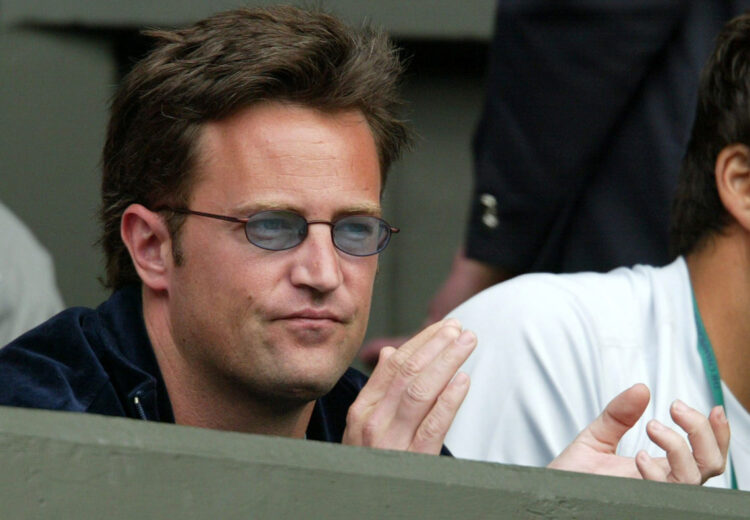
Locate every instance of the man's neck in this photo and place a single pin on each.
(720, 276)
(200, 400)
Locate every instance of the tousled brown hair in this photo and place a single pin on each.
(218, 66)
(722, 118)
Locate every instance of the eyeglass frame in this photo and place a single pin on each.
(244, 220)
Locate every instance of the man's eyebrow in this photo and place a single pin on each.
(361, 209)
(356, 209)
(255, 207)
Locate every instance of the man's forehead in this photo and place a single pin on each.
(277, 128)
(255, 119)
(274, 146)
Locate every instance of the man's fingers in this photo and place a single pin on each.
(412, 396)
(425, 334)
(420, 358)
(407, 366)
(389, 365)
(650, 468)
(380, 379)
(618, 417)
(720, 426)
(683, 466)
(405, 386)
(431, 432)
(420, 394)
(707, 454)
(367, 399)
(594, 448)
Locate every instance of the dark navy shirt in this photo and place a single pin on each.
(101, 361)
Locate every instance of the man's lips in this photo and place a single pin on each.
(311, 314)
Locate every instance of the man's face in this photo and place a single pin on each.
(275, 324)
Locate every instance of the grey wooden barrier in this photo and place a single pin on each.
(62, 465)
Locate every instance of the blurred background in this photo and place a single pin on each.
(61, 60)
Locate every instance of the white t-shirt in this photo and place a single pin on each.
(28, 292)
(555, 349)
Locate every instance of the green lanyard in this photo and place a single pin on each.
(712, 370)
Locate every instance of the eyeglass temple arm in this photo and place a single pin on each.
(184, 211)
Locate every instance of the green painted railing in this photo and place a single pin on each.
(62, 465)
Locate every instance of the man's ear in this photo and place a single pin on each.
(147, 238)
(733, 182)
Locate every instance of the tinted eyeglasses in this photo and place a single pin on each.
(277, 230)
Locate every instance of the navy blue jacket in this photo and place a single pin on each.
(101, 361)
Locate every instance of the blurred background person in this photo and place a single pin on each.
(28, 291)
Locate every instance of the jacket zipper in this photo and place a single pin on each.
(139, 408)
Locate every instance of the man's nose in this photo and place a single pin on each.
(318, 263)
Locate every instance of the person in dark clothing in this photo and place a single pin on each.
(243, 171)
(588, 110)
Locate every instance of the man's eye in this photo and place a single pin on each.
(273, 224)
(355, 229)
(267, 228)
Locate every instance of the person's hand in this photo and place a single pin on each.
(467, 278)
(414, 392)
(593, 451)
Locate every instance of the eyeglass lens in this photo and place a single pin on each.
(358, 235)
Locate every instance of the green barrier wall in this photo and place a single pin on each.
(61, 465)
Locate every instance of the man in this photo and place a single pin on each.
(553, 348)
(274, 127)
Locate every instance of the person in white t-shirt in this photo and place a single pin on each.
(553, 349)
(28, 291)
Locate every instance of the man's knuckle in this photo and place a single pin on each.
(695, 476)
(370, 432)
(410, 368)
(354, 415)
(686, 476)
(448, 334)
(431, 429)
(697, 429)
(450, 357)
(449, 400)
(418, 393)
(396, 360)
(713, 466)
